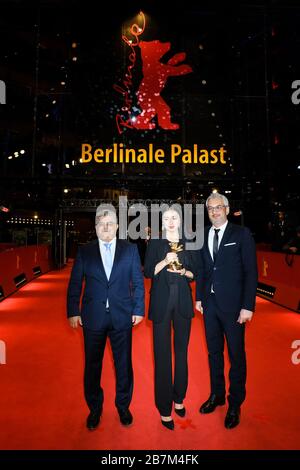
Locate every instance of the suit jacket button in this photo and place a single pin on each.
(215, 269)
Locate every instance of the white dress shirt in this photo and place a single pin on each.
(102, 244)
(103, 249)
(211, 235)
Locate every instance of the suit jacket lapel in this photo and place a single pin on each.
(97, 260)
(206, 247)
(116, 258)
(225, 238)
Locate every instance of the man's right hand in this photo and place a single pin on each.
(75, 321)
(198, 306)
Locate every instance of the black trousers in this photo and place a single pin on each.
(219, 324)
(94, 345)
(167, 391)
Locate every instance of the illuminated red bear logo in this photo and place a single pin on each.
(155, 75)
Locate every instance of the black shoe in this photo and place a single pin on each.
(168, 424)
(180, 412)
(232, 418)
(93, 420)
(211, 404)
(125, 417)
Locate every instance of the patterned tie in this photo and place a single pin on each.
(107, 259)
(216, 244)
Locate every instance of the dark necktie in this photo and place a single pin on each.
(216, 243)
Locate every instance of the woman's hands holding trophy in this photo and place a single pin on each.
(172, 261)
(174, 265)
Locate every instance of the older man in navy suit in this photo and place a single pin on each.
(225, 294)
(112, 302)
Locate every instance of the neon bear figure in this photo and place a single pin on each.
(155, 75)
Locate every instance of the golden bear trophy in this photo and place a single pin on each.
(175, 248)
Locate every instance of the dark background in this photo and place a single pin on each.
(244, 56)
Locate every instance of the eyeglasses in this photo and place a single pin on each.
(215, 208)
(104, 224)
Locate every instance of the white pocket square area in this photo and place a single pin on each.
(228, 244)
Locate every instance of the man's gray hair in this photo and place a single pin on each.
(217, 196)
(106, 209)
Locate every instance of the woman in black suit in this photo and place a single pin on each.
(171, 304)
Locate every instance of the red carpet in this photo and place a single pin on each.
(42, 404)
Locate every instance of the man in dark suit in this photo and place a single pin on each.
(113, 302)
(226, 290)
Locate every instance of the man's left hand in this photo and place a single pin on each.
(136, 319)
(245, 315)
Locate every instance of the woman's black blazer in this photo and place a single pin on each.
(160, 288)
